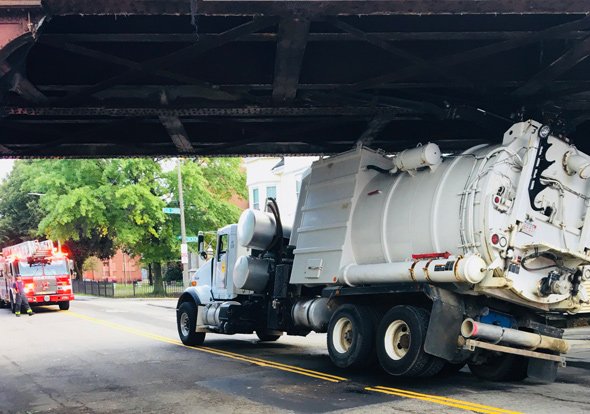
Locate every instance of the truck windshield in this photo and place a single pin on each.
(55, 268)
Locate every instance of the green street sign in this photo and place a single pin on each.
(170, 210)
(189, 239)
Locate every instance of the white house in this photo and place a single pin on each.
(277, 177)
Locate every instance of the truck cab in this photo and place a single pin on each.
(216, 275)
(45, 272)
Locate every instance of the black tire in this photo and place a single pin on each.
(400, 343)
(2, 304)
(501, 367)
(265, 337)
(186, 323)
(351, 336)
(64, 306)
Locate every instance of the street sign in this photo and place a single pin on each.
(170, 210)
(184, 253)
(189, 239)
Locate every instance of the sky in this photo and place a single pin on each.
(5, 168)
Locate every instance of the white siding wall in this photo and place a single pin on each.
(261, 175)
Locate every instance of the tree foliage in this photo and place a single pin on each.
(97, 206)
(20, 212)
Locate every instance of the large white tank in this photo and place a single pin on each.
(519, 207)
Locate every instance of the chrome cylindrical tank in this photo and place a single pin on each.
(427, 212)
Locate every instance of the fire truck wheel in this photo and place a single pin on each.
(400, 343)
(186, 322)
(501, 367)
(2, 304)
(64, 305)
(351, 336)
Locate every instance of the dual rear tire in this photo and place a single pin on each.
(400, 343)
(355, 336)
(351, 336)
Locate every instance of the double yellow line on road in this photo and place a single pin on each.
(450, 402)
(227, 354)
(446, 401)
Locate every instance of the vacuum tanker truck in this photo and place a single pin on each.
(421, 261)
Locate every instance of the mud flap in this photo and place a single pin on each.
(445, 324)
(541, 370)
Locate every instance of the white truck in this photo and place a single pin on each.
(421, 260)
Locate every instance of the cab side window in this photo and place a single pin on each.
(221, 246)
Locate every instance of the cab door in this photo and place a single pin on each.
(221, 267)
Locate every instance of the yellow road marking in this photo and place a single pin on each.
(256, 361)
(451, 402)
(448, 399)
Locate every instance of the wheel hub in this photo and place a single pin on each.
(397, 340)
(343, 335)
(185, 324)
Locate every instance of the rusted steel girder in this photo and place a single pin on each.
(17, 18)
(18, 23)
(318, 7)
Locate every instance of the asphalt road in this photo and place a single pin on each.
(116, 355)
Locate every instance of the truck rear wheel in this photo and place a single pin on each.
(501, 367)
(264, 336)
(351, 336)
(400, 343)
(64, 305)
(186, 322)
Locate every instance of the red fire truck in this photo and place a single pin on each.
(45, 272)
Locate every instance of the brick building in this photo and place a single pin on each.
(120, 268)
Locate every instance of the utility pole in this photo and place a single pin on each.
(184, 256)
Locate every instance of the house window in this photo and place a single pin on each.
(297, 189)
(271, 192)
(255, 199)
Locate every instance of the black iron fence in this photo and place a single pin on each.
(130, 290)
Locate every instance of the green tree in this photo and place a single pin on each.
(209, 185)
(20, 212)
(97, 206)
(92, 264)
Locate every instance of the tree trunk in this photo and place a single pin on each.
(78, 266)
(150, 275)
(158, 281)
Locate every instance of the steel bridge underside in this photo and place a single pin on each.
(96, 78)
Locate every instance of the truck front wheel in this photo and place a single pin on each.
(186, 322)
(64, 305)
(400, 343)
(351, 334)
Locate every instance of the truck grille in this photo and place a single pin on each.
(45, 285)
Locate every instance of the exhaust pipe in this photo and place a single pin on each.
(493, 333)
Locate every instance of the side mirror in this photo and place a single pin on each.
(201, 245)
